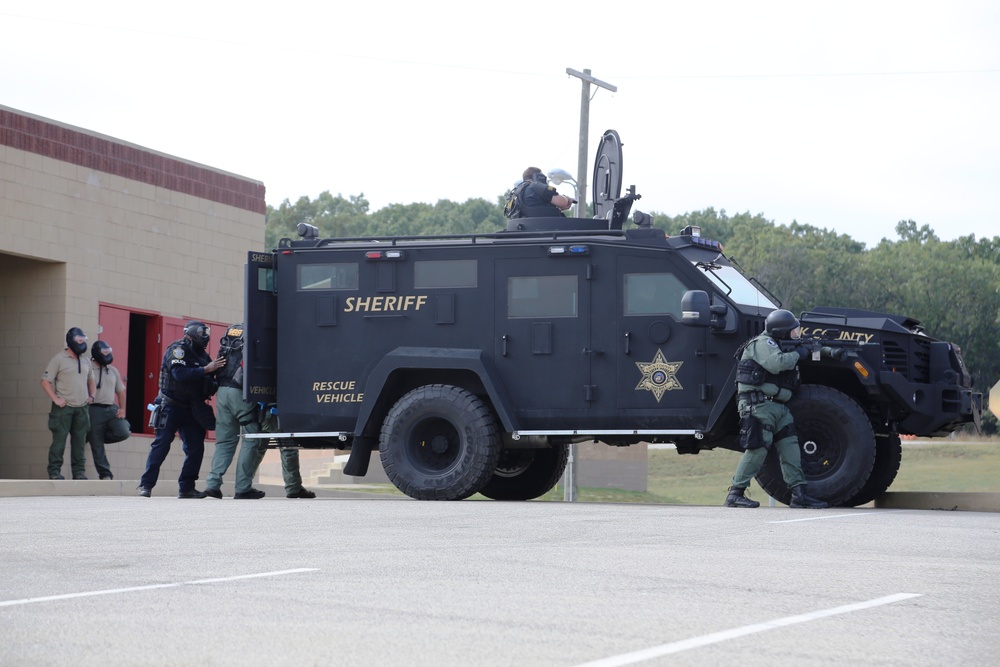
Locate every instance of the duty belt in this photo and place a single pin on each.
(752, 398)
(173, 401)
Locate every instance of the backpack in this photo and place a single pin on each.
(231, 348)
(512, 207)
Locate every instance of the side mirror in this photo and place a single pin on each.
(696, 309)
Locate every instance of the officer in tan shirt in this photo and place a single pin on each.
(68, 381)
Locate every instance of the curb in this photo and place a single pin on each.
(929, 500)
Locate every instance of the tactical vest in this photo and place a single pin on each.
(750, 372)
(185, 391)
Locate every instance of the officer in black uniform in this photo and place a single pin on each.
(533, 197)
(186, 383)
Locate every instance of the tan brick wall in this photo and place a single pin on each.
(86, 219)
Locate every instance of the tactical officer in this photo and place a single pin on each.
(766, 378)
(109, 387)
(186, 383)
(533, 197)
(68, 381)
(234, 413)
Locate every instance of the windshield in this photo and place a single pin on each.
(735, 285)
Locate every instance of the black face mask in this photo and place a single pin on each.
(75, 347)
(102, 354)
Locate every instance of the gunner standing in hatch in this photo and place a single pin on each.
(533, 197)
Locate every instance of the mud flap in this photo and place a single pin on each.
(361, 456)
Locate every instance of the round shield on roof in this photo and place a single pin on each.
(607, 181)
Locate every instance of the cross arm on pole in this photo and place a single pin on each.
(589, 79)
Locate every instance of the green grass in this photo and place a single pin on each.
(702, 479)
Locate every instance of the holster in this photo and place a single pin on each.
(154, 417)
(751, 433)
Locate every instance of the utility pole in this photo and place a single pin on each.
(581, 164)
(569, 477)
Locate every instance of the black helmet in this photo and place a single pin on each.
(780, 323)
(72, 344)
(101, 353)
(199, 332)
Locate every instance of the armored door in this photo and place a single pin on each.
(542, 342)
(655, 365)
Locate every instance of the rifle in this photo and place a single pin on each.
(815, 344)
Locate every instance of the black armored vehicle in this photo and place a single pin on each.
(472, 362)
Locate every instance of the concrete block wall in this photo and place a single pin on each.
(85, 220)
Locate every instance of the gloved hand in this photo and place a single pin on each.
(804, 352)
(835, 353)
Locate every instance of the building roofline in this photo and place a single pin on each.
(85, 148)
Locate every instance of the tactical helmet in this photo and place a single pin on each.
(71, 336)
(780, 323)
(101, 353)
(199, 332)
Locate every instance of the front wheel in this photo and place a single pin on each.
(439, 442)
(888, 456)
(523, 474)
(837, 444)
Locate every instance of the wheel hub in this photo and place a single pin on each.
(439, 444)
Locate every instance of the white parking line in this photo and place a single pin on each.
(716, 637)
(833, 516)
(112, 591)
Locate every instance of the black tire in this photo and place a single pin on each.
(439, 442)
(837, 443)
(523, 474)
(888, 456)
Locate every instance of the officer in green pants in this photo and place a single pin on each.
(234, 414)
(68, 381)
(766, 378)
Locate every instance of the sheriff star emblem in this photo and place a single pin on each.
(659, 375)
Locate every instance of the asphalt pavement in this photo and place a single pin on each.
(385, 581)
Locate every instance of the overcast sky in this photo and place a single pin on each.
(847, 115)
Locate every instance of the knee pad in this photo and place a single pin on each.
(786, 432)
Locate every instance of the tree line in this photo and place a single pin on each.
(951, 287)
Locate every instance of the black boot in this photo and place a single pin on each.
(801, 499)
(737, 499)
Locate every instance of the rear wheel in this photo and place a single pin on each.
(523, 474)
(439, 442)
(837, 444)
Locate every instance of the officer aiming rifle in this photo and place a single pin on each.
(817, 346)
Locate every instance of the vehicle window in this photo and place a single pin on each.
(328, 276)
(444, 273)
(542, 296)
(653, 294)
(736, 286)
(265, 280)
